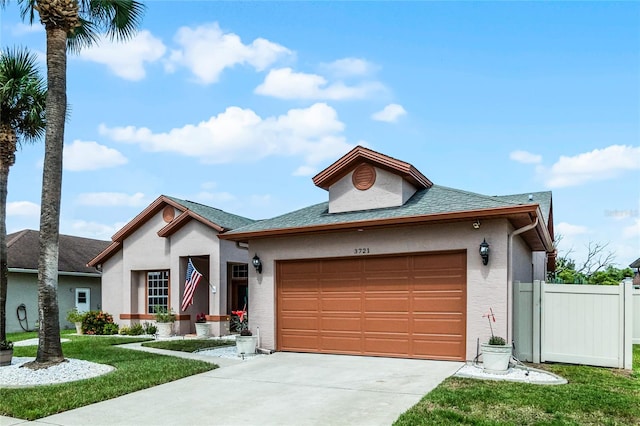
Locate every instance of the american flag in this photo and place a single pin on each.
(193, 278)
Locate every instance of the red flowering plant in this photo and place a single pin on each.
(201, 317)
(240, 322)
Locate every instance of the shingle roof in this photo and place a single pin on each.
(74, 252)
(217, 216)
(435, 200)
(635, 264)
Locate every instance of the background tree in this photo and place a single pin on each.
(73, 24)
(22, 106)
(596, 268)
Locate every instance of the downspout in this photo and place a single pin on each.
(510, 274)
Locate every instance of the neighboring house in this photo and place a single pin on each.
(146, 264)
(390, 265)
(636, 265)
(78, 284)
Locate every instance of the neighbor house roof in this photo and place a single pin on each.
(214, 218)
(435, 204)
(635, 264)
(74, 252)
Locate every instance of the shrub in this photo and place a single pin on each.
(74, 316)
(150, 328)
(110, 328)
(124, 330)
(164, 315)
(95, 321)
(497, 341)
(136, 330)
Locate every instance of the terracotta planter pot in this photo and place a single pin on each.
(203, 329)
(5, 357)
(495, 358)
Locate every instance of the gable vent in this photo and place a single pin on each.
(364, 176)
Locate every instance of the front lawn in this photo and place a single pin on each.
(593, 396)
(135, 370)
(188, 345)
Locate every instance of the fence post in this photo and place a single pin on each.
(537, 314)
(627, 338)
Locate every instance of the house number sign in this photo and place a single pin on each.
(361, 250)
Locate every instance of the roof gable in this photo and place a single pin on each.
(217, 219)
(74, 252)
(359, 155)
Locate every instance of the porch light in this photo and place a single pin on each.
(257, 263)
(484, 251)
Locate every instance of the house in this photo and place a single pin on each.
(78, 284)
(636, 265)
(145, 265)
(391, 265)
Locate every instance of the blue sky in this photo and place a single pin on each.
(238, 105)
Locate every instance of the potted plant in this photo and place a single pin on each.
(246, 342)
(6, 352)
(76, 318)
(202, 327)
(164, 321)
(496, 354)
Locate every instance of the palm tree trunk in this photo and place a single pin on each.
(49, 346)
(4, 283)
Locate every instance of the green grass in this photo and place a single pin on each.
(593, 396)
(135, 370)
(188, 345)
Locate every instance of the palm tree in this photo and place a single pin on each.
(22, 103)
(73, 24)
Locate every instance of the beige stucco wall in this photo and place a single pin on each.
(23, 288)
(388, 190)
(486, 285)
(124, 273)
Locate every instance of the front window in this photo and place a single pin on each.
(157, 290)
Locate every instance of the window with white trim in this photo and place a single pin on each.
(157, 290)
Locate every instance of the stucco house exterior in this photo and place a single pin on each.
(78, 284)
(389, 265)
(146, 263)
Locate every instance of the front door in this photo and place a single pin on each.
(83, 299)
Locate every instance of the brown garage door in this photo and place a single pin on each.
(399, 306)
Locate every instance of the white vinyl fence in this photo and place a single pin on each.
(578, 324)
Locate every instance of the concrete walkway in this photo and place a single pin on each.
(278, 389)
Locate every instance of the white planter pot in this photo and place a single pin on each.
(78, 327)
(246, 344)
(203, 329)
(495, 359)
(165, 329)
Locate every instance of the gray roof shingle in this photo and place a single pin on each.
(434, 200)
(217, 216)
(74, 252)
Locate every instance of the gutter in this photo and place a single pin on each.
(518, 231)
(60, 273)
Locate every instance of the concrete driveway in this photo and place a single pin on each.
(278, 389)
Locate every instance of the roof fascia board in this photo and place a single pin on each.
(182, 220)
(439, 217)
(60, 273)
(106, 253)
(143, 216)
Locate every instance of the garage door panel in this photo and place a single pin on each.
(436, 304)
(387, 325)
(340, 324)
(388, 304)
(401, 306)
(438, 326)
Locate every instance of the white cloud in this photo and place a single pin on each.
(20, 29)
(525, 157)
(304, 171)
(632, 231)
(284, 83)
(599, 164)
(567, 230)
(83, 156)
(206, 51)
(111, 199)
(389, 114)
(346, 67)
(126, 59)
(237, 134)
(95, 230)
(23, 208)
